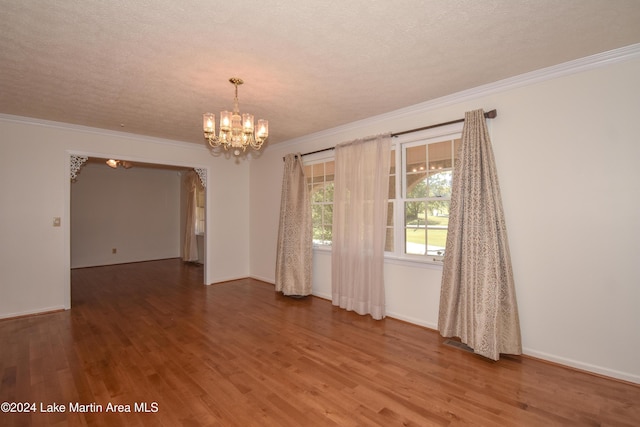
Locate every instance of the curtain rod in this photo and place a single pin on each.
(488, 115)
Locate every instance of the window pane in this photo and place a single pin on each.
(318, 172)
(417, 185)
(328, 215)
(392, 187)
(388, 244)
(328, 191)
(316, 213)
(440, 155)
(327, 238)
(392, 163)
(317, 193)
(321, 186)
(414, 214)
(329, 170)
(440, 183)
(316, 219)
(318, 236)
(416, 158)
(415, 241)
(415, 230)
(437, 224)
(308, 174)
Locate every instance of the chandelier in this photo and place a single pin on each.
(236, 132)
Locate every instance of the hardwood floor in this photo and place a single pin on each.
(239, 354)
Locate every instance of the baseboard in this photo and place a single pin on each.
(413, 321)
(29, 313)
(581, 366)
(219, 280)
(78, 267)
(263, 279)
(322, 295)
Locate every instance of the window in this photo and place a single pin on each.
(200, 210)
(419, 197)
(420, 183)
(320, 181)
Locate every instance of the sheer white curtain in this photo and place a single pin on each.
(359, 225)
(190, 244)
(294, 252)
(477, 297)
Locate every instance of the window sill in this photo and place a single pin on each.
(414, 262)
(429, 263)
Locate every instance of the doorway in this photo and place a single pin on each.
(125, 213)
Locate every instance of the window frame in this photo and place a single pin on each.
(312, 160)
(401, 143)
(200, 210)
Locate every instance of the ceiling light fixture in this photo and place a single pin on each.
(236, 131)
(114, 163)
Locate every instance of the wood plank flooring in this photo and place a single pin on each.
(150, 336)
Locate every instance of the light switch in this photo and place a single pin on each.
(56, 221)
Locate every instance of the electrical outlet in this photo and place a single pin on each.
(114, 250)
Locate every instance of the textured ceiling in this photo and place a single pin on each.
(153, 67)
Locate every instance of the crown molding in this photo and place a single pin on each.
(566, 68)
(98, 131)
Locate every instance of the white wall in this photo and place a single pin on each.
(566, 143)
(135, 211)
(35, 188)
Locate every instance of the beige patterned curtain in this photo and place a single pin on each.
(190, 244)
(359, 225)
(294, 256)
(477, 298)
